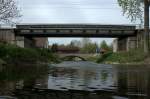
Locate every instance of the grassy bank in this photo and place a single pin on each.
(133, 56)
(13, 54)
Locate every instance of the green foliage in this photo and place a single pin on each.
(104, 45)
(12, 53)
(93, 58)
(54, 48)
(89, 48)
(123, 57)
(85, 41)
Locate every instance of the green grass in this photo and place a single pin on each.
(133, 56)
(93, 58)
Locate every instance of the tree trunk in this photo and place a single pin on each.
(146, 26)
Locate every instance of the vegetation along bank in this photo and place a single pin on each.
(13, 54)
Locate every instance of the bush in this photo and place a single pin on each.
(12, 53)
(123, 57)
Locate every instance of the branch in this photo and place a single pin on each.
(8, 11)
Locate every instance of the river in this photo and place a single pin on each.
(75, 80)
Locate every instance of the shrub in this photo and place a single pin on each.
(123, 57)
(12, 53)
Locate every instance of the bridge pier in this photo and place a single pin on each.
(7, 35)
(25, 42)
(24, 35)
(31, 42)
(125, 44)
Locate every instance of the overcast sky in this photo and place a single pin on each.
(72, 11)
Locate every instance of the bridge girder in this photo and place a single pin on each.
(75, 30)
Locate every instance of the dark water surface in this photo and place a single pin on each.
(75, 80)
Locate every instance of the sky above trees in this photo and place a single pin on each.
(72, 11)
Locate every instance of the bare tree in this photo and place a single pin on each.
(8, 11)
(134, 10)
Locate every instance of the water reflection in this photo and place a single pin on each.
(75, 80)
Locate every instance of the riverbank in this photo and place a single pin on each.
(11, 54)
(132, 57)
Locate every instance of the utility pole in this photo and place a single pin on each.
(146, 26)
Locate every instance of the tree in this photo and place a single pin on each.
(134, 10)
(54, 48)
(8, 11)
(85, 41)
(75, 43)
(104, 45)
(89, 48)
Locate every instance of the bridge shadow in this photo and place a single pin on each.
(73, 58)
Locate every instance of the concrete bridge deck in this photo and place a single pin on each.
(128, 37)
(75, 30)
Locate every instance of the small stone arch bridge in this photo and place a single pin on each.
(73, 58)
(81, 56)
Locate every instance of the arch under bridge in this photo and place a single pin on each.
(74, 55)
(73, 58)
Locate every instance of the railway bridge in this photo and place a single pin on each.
(127, 35)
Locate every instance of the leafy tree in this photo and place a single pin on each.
(54, 48)
(89, 48)
(8, 11)
(75, 43)
(104, 45)
(134, 10)
(85, 41)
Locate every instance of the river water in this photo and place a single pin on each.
(75, 80)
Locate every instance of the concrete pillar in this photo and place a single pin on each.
(131, 43)
(122, 44)
(125, 44)
(25, 42)
(7, 35)
(29, 42)
(115, 45)
(41, 42)
(20, 41)
(140, 39)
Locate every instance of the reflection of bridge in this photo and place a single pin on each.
(128, 36)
